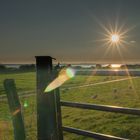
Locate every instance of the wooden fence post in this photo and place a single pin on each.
(15, 109)
(59, 117)
(47, 120)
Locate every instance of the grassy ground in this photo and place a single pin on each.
(123, 93)
(24, 81)
(109, 123)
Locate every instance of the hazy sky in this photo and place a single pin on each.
(69, 30)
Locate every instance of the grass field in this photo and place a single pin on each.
(122, 93)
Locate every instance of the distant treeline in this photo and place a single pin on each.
(31, 67)
(21, 68)
(100, 66)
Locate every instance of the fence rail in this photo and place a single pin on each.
(107, 108)
(91, 134)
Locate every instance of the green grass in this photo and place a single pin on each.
(102, 122)
(127, 95)
(24, 81)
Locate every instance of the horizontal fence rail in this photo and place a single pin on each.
(97, 136)
(107, 108)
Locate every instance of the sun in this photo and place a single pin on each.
(115, 38)
(114, 35)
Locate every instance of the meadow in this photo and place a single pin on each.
(125, 93)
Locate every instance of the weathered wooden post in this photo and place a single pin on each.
(47, 118)
(15, 109)
(59, 117)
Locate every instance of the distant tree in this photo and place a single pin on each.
(92, 67)
(107, 66)
(137, 66)
(130, 66)
(123, 66)
(27, 67)
(2, 67)
(77, 67)
(98, 66)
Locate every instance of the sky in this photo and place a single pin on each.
(75, 31)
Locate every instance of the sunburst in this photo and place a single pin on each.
(115, 35)
(115, 38)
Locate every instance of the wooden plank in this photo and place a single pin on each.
(107, 108)
(47, 123)
(95, 135)
(15, 109)
(59, 115)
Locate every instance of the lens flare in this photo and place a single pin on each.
(25, 104)
(70, 72)
(64, 75)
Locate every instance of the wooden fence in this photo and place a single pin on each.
(49, 120)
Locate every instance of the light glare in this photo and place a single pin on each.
(115, 38)
(115, 66)
(64, 75)
(25, 104)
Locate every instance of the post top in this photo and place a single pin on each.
(44, 57)
(44, 62)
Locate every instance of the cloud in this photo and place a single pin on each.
(132, 41)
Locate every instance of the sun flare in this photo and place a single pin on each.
(114, 35)
(115, 38)
(114, 66)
